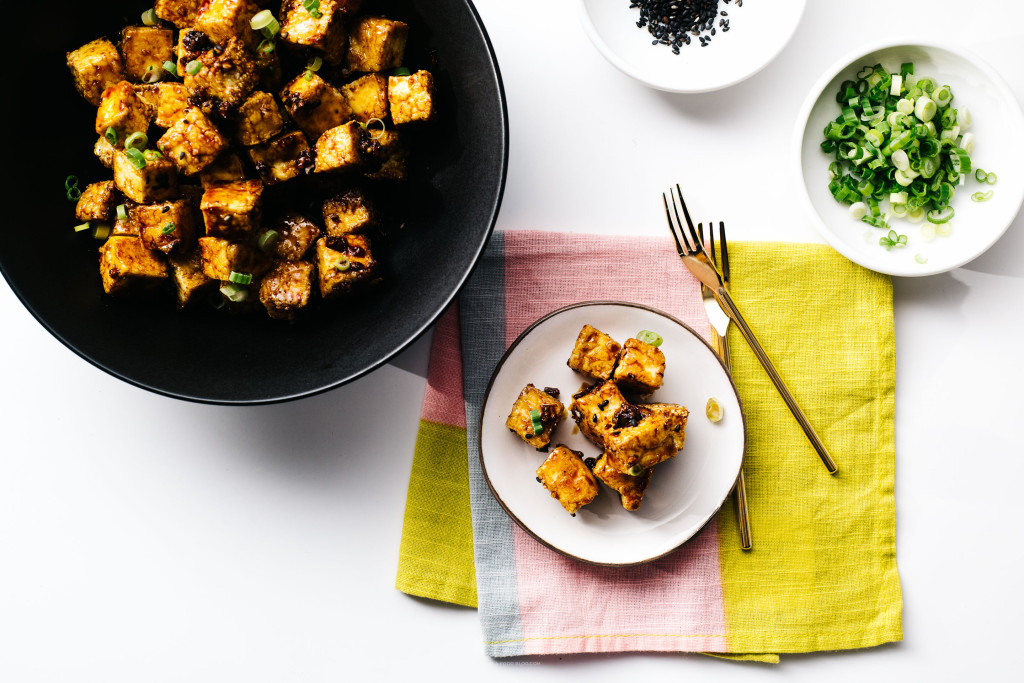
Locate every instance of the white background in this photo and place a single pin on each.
(147, 539)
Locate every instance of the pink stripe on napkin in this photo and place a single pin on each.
(443, 402)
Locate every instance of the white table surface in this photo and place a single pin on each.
(147, 539)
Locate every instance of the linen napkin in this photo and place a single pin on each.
(822, 573)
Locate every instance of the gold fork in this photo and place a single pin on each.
(697, 261)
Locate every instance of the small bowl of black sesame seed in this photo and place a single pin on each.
(690, 46)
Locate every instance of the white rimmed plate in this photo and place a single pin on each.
(998, 126)
(685, 492)
(757, 33)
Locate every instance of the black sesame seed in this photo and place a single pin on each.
(672, 22)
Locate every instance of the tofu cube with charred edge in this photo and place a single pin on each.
(145, 49)
(296, 236)
(95, 67)
(568, 479)
(126, 266)
(376, 44)
(221, 256)
(351, 211)
(367, 97)
(104, 151)
(594, 409)
(193, 142)
(226, 169)
(287, 288)
(645, 435)
(171, 103)
(97, 202)
(228, 73)
(190, 282)
(325, 32)
(315, 104)
(225, 19)
(411, 97)
(521, 423)
(150, 96)
(630, 489)
(384, 155)
(594, 354)
(122, 110)
(339, 148)
(233, 210)
(181, 13)
(641, 367)
(166, 227)
(344, 264)
(283, 158)
(157, 181)
(259, 119)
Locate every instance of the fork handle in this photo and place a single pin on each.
(748, 334)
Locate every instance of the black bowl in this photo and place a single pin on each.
(211, 356)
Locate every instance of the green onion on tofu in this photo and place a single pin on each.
(168, 229)
(149, 17)
(171, 68)
(234, 293)
(268, 239)
(135, 157)
(136, 140)
(111, 135)
(240, 278)
(313, 7)
(193, 67)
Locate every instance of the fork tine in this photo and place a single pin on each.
(698, 245)
(679, 224)
(672, 226)
(711, 242)
(725, 251)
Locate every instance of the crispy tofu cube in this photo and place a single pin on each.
(226, 19)
(641, 367)
(411, 97)
(344, 263)
(283, 158)
(594, 409)
(157, 181)
(351, 211)
(315, 104)
(376, 44)
(630, 489)
(187, 274)
(259, 119)
(594, 354)
(145, 49)
(167, 226)
(550, 412)
(150, 96)
(287, 288)
(228, 73)
(325, 32)
(95, 67)
(645, 435)
(338, 148)
(220, 257)
(233, 210)
(97, 202)
(122, 110)
(226, 169)
(126, 265)
(384, 155)
(568, 479)
(104, 151)
(126, 226)
(367, 97)
(181, 13)
(296, 236)
(192, 142)
(171, 103)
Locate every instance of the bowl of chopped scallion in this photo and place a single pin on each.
(909, 157)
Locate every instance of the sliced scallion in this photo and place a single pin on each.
(111, 135)
(313, 7)
(268, 239)
(261, 20)
(981, 196)
(194, 67)
(343, 264)
(82, 227)
(135, 157)
(649, 337)
(240, 278)
(234, 293)
(137, 141)
(149, 17)
(101, 231)
(171, 68)
(122, 212)
(168, 229)
(635, 471)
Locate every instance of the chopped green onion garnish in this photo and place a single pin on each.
(171, 68)
(268, 239)
(313, 7)
(136, 140)
(538, 426)
(400, 71)
(713, 410)
(137, 158)
(151, 155)
(261, 20)
(375, 133)
(122, 212)
(314, 64)
(635, 471)
(149, 17)
(240, 278)
(82, 227)
(940, 215)
(111, 135)
(168, 229)
(194, 67)
(648, 337)
(101, 232)
(920, 258)
(343, 264)
(982, 196)
(308, 75)
(893, 240)
(71, 187)
(266, 47)
(235, 293)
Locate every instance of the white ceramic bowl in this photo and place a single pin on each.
(758, 32)
(998, 126)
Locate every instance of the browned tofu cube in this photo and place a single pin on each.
(338, 148)
(384, 155)
(126, 266)
(104, 151)
(344, 264)
(259, 119)
(351, 211)
(367, 97)
(287, 288)
(226, 169)
(324, 31)
(233, 210)
(645, 435)
(145, 49)
(171, 103)
(376, 44)
(150, 96)
(192, 142)
(97, 202)
(95, 67)
(630, 488)
(190, 282)
(222, 257)
(595, 409)
(167, 226)
(156, 181)
(594, 354)
(411, 97)
(548, 410)
(315, 104)
(226, 19)
(641, 367)
(568, 479)
(296, 236)
(227, 73)
(181, 13)
(123, 111)
(283, 158)
(126, 226)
